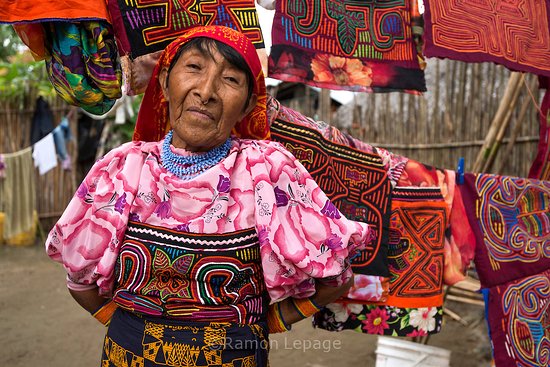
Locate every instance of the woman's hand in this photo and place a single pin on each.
(324, 294)
(90, 300)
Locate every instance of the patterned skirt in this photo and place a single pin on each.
(136, 341)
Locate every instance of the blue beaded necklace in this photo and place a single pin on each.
(187, 167)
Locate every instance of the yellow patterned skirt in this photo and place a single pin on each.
(138, 341)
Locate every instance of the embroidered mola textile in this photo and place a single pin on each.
(145, 27)
(413, 305)
(511, 33)
(510, 217)
(361, 46)
(355, 181)
(541, 166)
(518, 314)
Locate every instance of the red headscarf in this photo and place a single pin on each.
(153, 120)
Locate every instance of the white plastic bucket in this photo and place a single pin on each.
(394, 352)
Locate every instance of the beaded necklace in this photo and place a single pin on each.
(187, 167)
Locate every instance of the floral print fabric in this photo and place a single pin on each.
(258, 185)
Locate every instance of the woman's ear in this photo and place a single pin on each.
(163, 80)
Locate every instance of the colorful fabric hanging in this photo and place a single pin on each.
(25, 11)
(17, 193)
(347, 44)
(354, 180)
(541, 166)
(143, 28)
(460, 240)
(414, 303)
(513, 34)
(83, 66)
(518, 314)
(511, 220)
(44, 155)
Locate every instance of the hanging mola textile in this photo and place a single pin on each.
(361, 46)
(428, 246)
(511, 220)
(145, 27)
(511, 33)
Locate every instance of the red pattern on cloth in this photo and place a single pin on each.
(511, 33)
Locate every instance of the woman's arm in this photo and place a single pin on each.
(324, 294)
(90, 300)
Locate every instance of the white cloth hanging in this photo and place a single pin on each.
(44, 155)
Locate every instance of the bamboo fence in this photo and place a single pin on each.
(470, 111)
(56, 187)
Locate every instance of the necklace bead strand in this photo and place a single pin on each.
(188, 167)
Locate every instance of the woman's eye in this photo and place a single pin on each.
(193, 66)
(232, 79)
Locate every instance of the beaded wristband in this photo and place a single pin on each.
(105, 312)
(275, 321)
(305, 306)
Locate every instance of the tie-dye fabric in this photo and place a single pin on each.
(518, 313)
(258, 185)
(361, 46)
(511, 33)
(83, 64)
(511, 220)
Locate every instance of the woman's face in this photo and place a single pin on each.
(206, 97)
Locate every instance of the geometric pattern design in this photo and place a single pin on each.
(181, 344)
(512, 33)
(511, 220)
(360, 44)
(147, 26)
(218, 275)
(519, 321)
(356, 182)
(415, 249)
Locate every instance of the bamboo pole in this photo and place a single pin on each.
(506, 104)
(517, 127)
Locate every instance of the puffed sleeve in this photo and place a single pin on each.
(86, 238)
(302, 235)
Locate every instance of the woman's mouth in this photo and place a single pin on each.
(201, 113)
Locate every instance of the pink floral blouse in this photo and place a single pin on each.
(258, 185)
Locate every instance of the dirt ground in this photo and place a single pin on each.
(42, 326)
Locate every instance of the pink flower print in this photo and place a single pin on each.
(417, 332)
(183, 227)
(281, 198)
(133, 217)
(263, 235)
(376, 321)
(224, 184)
(163, 210)
(423, 318)
(120, 203)
(330, 210)
(334, 242)
(82, 191)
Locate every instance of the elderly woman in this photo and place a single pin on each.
(202, 243)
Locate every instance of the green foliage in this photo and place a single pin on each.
(9, 42)
(18, 78)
